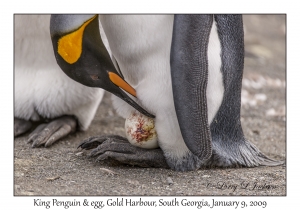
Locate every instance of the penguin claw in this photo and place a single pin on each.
(266, 161)
(118, 148)
(47, 134)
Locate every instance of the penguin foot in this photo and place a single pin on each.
(244, 154)
(118, 148)
(47, 134)
(21, 126)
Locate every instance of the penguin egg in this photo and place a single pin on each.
(140, 131)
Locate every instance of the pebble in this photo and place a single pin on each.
(170, 181)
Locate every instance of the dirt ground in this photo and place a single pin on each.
(64, 170)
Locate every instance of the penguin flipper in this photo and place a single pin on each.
(189, 72)
(47, 134)
(21, 126)
(118, 148)
(230, 147)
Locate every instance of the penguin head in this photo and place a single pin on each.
(81, 54)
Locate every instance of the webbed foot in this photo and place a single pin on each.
(241, 154)
(47, 134)
(118, 148)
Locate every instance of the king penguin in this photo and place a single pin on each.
(184, 70)
(42, 90)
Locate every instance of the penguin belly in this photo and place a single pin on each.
(141, 45)
(41, 88)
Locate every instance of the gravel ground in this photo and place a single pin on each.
(64, 170)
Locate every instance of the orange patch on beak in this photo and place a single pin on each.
(114, 78)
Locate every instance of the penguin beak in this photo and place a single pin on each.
(81, 54)
(189, 72)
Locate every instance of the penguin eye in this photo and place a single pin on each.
(94, 77)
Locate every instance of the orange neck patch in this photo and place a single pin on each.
(70, 45)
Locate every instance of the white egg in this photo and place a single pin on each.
(140, 131)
